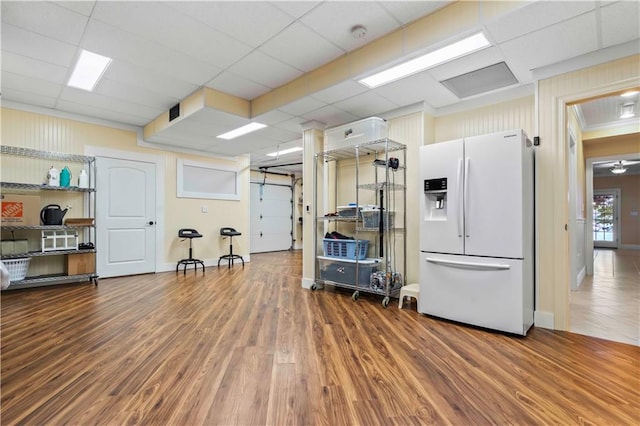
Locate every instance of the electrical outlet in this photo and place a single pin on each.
(205, 209)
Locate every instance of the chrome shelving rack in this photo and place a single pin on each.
(383, 186)
(89, 210)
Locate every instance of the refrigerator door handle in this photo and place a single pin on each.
(473, 265)
(459, 213)
(466, 197)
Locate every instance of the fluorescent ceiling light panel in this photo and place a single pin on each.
(251, 127)
(455, 50)
(88, 70)
(285, 151)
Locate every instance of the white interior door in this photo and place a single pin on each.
(271, 217)
(125, 217)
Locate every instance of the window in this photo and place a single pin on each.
(202, 180)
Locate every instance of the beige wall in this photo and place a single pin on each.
(514, 114)
(551, 170)
(629, 185)
(613, 145)
(43, 132)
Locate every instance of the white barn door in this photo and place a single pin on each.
(271, 217)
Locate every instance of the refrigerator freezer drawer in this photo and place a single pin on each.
(486, 292)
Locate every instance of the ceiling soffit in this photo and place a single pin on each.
(431, 31)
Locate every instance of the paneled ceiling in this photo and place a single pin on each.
(163, 51)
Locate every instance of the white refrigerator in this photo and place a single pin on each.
(477, 231)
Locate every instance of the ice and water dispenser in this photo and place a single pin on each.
(435, 191)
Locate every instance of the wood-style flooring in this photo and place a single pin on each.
(607, 304)
(251, 347)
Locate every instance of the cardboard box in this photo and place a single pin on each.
(81, 263)
(20, 210)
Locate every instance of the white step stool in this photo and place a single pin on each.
(411, 290)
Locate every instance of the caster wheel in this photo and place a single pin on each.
(355, 295)
(314, 287)
(385, 301)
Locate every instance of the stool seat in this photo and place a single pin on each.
(189, 233)
(230, 232)
(410, 290)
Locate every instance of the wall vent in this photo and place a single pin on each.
(174, 112)
(479, 81)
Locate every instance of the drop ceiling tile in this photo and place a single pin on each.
(340, 91)
(416, 88)
(296, 8)
(366, 105)
(542, 47)
(119, 45)
(265, 70)
(84, 7)
(302, 106)
(301, 48)
(275, 134)
(171, 29)
(134, 93)
(620, 23)
(237, 86)
(233, 18)
(535, 16)
(27, 98)
(293, 124)
(408, 11)
(32, 45)
(18, 64)
(149, 79)
(485, 57)
(46, 19)
(29, 84)
(126, 117)
(108, 103)
(335, 19)
(272, 117)
(331, 116)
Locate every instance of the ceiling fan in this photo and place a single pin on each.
(619, 167)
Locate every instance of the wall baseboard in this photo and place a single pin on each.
(307, 282)
(543, 319)
(630, 246)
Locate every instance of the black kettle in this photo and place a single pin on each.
(52, 214)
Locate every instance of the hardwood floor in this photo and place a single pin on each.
(251, 347)
(607, 304)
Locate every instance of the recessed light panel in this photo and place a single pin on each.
(88, 70)
(480, 81)
(251, 127)
(285, 151)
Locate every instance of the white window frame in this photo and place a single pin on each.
(215, 193)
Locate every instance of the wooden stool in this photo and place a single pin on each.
(411, 290)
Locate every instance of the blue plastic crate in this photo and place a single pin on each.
(345, 249)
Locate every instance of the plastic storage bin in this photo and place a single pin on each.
(352, 134)
(345, 249)
(17, 268)
(344, 271)
(371, 218)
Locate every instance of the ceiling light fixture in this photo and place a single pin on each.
(285, 151)
(627, 110)
(618, 168)
(629, 94)
(251, 127)
(455, 50)
(88, 70)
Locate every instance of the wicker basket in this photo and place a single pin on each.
(17, 268)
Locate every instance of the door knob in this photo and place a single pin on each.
(151, 222)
